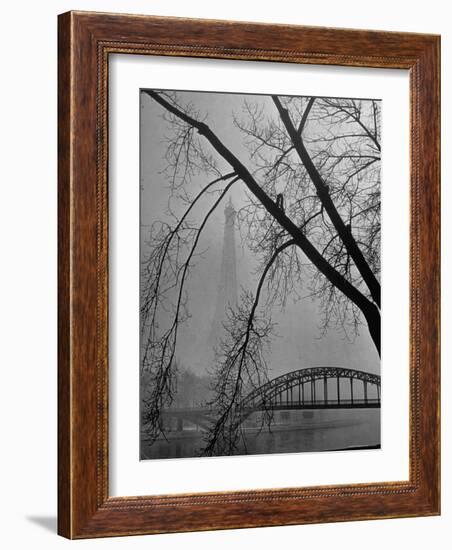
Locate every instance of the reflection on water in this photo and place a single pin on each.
(290, 432)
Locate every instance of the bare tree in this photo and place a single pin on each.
(313, 213)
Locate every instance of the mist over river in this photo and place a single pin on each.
(290, 432)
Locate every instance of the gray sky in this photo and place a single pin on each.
(299, 343)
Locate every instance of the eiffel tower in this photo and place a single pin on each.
(227, 286)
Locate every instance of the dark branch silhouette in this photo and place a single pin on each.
(324, 195)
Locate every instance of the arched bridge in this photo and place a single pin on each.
(308, 388)
(317, 388)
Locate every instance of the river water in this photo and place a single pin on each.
(290, 432)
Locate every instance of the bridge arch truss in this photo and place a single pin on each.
(300, 390)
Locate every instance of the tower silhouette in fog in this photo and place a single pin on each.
(227, 285)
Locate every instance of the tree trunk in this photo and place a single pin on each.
(373, 318)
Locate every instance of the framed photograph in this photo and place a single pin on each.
(248, 275)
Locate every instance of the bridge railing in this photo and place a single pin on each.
(315, 403)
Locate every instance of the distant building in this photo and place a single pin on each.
(227, 284)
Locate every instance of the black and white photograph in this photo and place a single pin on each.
(260, 274)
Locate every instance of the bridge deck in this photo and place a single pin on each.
(283, 406)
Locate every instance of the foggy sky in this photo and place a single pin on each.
(299, 343)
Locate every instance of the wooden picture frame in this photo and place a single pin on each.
(85, 42)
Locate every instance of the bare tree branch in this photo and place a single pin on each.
(324, 195)
(369, 310)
